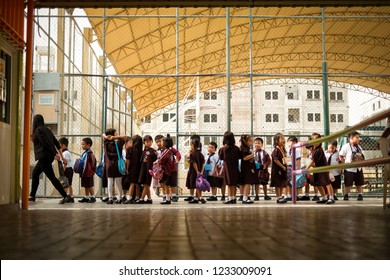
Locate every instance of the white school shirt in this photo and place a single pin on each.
(124, 151)
(333, 161)
(213, 161)
(68, 156)
(346, 152)
(298, 154)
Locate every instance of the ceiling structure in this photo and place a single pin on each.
(286, 41)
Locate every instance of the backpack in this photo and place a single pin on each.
(157, 172)
(80, 163)
(170, 165)
(89, 172)
(202, 184)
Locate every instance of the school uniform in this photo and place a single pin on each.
(165, 155)
(148, 157)
(230, 156)
(111, 158)
(278, 175)
(134, 156)
(352, 153)
(89, 170)
(333, 159)
(197, 158)
(262, 161)
(249, 175)
(319, 179)
(69, 167)
(211, 161)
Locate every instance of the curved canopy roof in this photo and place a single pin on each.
(357, 47)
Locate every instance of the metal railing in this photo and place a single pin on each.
(323, 169)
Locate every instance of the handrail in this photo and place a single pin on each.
(357, 164)
(364, 123)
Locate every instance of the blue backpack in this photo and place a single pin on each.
(79, 165)
(121, 162)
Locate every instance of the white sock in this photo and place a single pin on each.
(168, 198)
(110, 187)
(331, 197)
(324, 198)
(87, 196)
(245, 198)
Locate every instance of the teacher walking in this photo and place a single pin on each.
(46, 148)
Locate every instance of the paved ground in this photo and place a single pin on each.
(347, 230)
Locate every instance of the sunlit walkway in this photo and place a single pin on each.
(347, 230)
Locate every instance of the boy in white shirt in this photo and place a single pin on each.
(352, 152)
(332, 156)
(68, 165)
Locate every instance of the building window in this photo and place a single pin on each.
(310, 117)
(74, 115)
(313, 96)
(293, 115)
(332, 95)
(275, 95)
(75, 94)
(275, 117)
(65, 117)
(268, 118)
(336, 95)
(290, 95)
(207, 118)
(333, 118)
(314, 117)
(317, 117)
(339, 95)
(214, 118)
(373, 106)
(340, 118)
(167, 117)
(309, 94)
(267, 95)
(190, 116)
(208, 139)
(379, 104)
(65, 94)
(317, 94)
(147, 119)
(268, 140)
(210, 95)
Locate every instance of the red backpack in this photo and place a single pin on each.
(170, 164)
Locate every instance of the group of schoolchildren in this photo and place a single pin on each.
(240, 167)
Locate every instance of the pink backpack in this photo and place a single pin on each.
(202, 184)
(157, 172)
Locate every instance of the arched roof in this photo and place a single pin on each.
(357, 42)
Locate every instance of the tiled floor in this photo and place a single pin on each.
(347, 230)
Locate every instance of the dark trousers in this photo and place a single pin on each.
(44, 165)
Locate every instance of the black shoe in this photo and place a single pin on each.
(335, 197)
(322, 201)
(139, 201)
(229, 202)
(288, 198)
(360, 197)
(304, 198)
(71, 200)
(203, 201)
(149, 201)
(256, 198)
(346, 197)
(212, 198)
(31, 199)
(123, 199)
(114, 198)
(104, 199)
(281, 200)
(165, 202)
(110, 201)
(190, 198)
(223, 198)
(266, 197)
(66, 200)
(175, 198)
(129, 201)
(234, 201)
(330, 201)
(315, 198)
(194, 201)
(241, 198)
(248, 201)
(91, 200)
(83, 200)
(118, 201)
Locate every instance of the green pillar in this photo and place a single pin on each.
(325, 88)
(228, 93)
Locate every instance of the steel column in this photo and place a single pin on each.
(228, 93)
